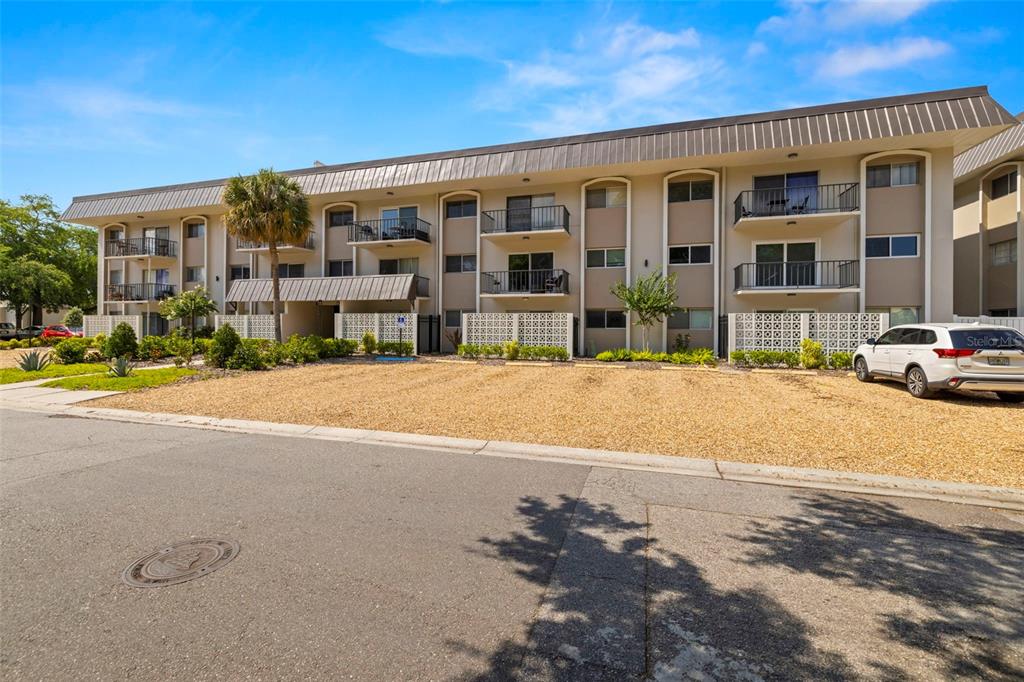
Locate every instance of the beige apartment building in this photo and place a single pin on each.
(989, 226)
(841, 208)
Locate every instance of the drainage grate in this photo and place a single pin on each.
(179, 563)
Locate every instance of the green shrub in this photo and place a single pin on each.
(369, 342)
(248, 355)
(739, 358)
(71, 351)
(205, 332)
(33, 361)
(74, 317)
(840, 360)
(812, 355)
(696, 356)
(605, 356)
(275, 353)
(122, 342)
(339, 348)
(315, 345)
(468, 350)
(98, 341)
(543, 353)
(223, 345)
(510, 349)
(681, 344)
(395, 348)
(153, 348)
(300, 350)
(791, 359)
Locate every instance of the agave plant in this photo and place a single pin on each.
(33, 361)
(121, 367)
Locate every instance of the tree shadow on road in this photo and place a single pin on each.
(607, 582)
(964, 586)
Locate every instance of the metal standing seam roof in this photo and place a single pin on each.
(362, 288)
(999, 146)
(947, 110)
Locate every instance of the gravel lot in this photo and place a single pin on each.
(9, 358)
(822, 421)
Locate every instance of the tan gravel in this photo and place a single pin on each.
(821, 421)
(9, 358)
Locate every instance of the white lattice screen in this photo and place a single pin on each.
(248, 326)
(104, 324)
(784, 331)
(384, 326)
(1015, 322)
(529, 329)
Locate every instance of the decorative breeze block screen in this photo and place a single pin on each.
(384, 326)
(248, 326)
(843, 332)
(529, 329)
(784, 331)
(768, 331)
(104, 324)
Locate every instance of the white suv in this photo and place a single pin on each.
(935, 357)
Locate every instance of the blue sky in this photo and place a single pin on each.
(107, 96)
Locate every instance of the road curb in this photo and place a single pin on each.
(819, 479)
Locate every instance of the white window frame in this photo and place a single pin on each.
(690, 246)
(193, 268)
(399, 208)
(689, 311)
(786, 243)
(605, 258)
(916, 235)
(1012, 252)
(625, 195)
(188, 226)
(462, 263)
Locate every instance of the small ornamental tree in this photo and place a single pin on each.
(188, 305)
(73, 317)
(651, 299)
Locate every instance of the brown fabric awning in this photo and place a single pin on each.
(364, 288)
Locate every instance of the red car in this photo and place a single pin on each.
(58, 331)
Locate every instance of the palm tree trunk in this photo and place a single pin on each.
(275, 278)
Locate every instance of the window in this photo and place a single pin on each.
(1004, 253)
(460, 208)
(116, 277)
(453, 318)
(606, 319)
(898, 314)
(464, 263)
(531, 261)
(340, 217)
(895, 246)
(893, 175)
(607, 197)
(240, 272)
(195, 230)
(606, 258)
(291, 270)
(339, 268)
(115, 234)
(194, 274)
(1005, 184)
(400, 266)
(1002, 312)
(689, 255)
(691, 190)
(690, 318)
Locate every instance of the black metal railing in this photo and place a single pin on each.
(759, 203)
(525, 219)
(422, 285)
(140, 246)
(815, 274)
(386, 229)
(245, 245)
(147, 291)
(525, 282)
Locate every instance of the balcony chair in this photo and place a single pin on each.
(553, 285)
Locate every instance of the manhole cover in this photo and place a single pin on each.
(179, 562)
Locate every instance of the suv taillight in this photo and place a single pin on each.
(953, 352)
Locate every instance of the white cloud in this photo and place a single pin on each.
(540, 75)
(756, 49)
(806, 19)
(655, 76)
(855, 60)
(635, 39)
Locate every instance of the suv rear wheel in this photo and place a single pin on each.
(861, 368)
(1010, 397)
(917, 383)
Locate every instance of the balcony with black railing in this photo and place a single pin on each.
(524, 283)
(154, 247)
(792, 204)
(797, 275)
(307, 244)
(143, 291)
(408, 230)
(514, 221)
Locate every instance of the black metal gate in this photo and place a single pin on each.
(428, 330)
(723, 336)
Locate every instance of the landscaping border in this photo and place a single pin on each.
(820, 479)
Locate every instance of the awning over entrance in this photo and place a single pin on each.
(363, 288)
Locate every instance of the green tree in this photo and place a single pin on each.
(188, 305)
(25, 282)
(268, 207)
(32, 230)
(73, 317)
(651, 299)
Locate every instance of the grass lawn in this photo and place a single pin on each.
(809, 420)
(10, 375)
(141, 378)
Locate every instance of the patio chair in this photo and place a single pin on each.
(553, 285)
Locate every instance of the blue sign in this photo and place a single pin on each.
(400, 321)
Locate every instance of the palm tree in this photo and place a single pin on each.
(268, 207)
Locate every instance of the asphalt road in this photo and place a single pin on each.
(384, 563)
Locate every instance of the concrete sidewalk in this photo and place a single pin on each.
(380, 562)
